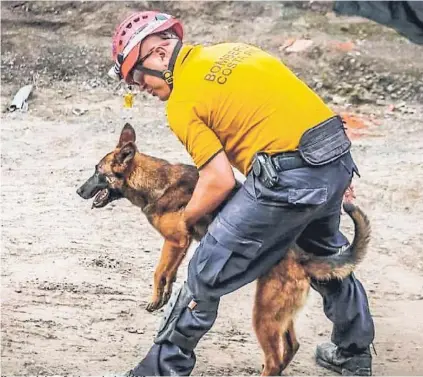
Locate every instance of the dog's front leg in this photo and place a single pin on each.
(165, 274)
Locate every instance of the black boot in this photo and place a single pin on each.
(329, 356)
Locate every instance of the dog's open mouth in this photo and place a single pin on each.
(102, 198)
(106, 196)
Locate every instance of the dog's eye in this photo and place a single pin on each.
(98, 168)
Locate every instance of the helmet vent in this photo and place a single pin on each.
(129, 25)
(136, 19)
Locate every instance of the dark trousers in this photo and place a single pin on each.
(248, 237)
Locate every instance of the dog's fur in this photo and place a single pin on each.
(162, 190)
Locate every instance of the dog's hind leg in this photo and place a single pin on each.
(290, 345)
(267, 324)
(279, 295)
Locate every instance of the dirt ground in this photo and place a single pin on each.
(75, 281)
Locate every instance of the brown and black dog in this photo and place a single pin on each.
(162, 190)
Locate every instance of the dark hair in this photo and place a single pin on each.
(167, 34)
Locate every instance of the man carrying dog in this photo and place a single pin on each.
(234, 105)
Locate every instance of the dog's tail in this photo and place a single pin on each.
(340, 265)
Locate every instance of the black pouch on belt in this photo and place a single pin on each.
(264, 169)
(325, 142)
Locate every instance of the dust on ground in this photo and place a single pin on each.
(75, 282)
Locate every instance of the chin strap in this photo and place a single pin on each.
(166, 75)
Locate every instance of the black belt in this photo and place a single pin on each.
(288, 161)
(318, 146)
(266, 167)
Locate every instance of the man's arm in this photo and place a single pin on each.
(214, 185)
(216, 176)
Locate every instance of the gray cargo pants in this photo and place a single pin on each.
(248, 237)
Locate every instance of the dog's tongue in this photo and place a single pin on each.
(100, 199)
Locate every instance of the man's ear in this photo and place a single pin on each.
(126, 154)
(126, 135)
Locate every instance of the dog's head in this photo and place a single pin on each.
(108, 180)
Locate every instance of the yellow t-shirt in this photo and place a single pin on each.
(238, 98)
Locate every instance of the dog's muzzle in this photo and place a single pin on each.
(92, 186)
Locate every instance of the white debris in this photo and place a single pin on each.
(20, 100)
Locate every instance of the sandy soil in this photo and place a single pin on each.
(75, 281)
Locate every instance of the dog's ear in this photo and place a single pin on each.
(126, 135)
(126, 153)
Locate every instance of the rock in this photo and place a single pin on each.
(292, 45)
(135, 331)
(390, 88)
(342, 46)
(360, 95)
(79, 112)
(338, 100)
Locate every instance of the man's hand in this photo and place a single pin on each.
(349, 194)
(214, 185)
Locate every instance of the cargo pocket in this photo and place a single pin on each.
(220, 245)
(308, 196)
(287, 195)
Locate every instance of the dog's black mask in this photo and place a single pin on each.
(98, 186)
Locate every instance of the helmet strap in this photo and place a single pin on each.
(167, 74)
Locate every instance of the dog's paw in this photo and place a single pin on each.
(165, 298)
(153, 306)
(158, 303)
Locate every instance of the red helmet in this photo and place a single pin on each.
(130, 34)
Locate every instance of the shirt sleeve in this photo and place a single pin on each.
(199, 140)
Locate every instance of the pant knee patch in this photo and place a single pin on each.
(181, 300)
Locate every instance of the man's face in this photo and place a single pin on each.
(155, 57)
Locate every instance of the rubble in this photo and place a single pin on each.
(360, 82)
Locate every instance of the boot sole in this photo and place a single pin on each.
(340, 370)
(329, 366)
